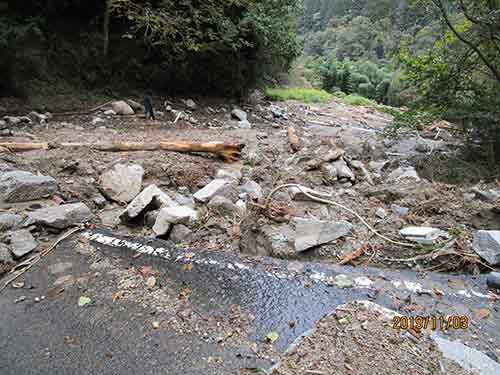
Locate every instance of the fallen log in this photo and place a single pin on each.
(293, 140)
(228, 151)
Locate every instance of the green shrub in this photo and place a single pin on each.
(354, 99)
(297, 93)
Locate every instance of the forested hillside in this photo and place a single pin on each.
(209, 47)
(440, 55)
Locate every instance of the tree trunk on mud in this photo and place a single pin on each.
(228, 151)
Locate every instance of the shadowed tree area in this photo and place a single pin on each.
(207, 47)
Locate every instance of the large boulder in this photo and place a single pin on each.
(21, 186)
(487, 244)
(60, 217)
(310, 233)
(22, 243)
(181, 234)
(174, 215)
(123, 182)
(137, 107)
(150, 199)
(122, 108)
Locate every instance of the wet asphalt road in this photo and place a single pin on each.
(55, 336)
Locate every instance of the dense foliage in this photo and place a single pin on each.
(215, 46)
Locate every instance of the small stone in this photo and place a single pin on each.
(109, 112)
(100, 201)
(155, 325)
(209, 191)
(241, 207)
(9, 221)
(487, 244)
(422, 235)
(239, 114)
(344, 173)
(229, 173)
(22, 243)
(21, 186)
(399, 211)
(123, 182)
(60, 217)
(252, 190)
(380, 213)
(97, 120)
(493, 280)
(343, 282)
(311, 233)
(152, 198)
(190, 104)
(180, 234)
(245, 124)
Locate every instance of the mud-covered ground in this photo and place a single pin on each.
(269, 161)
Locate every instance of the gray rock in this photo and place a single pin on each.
(184, 200)
(487, 244)
(239, 114)
(110, 217)
(252, 190)
(9, 221)
(403, 173)
(5, 255)
(152, 198)
(190, 104)
(121, 107)
(100, 201)
(181, 234)
(97, 120)
(422, 235)
(38, 117)
(311, 233)
(222, 204)
(60, 217)
(344, 173)
(123, 182)
(174, 215)
(22, 243)
(3, 124)
(211, 190)
(380, 213)
(21, 186)
(487, 196)
(245, 124)
(329, 173)
(16, 120)
(399, 211)
(493, 280)
(267, 240)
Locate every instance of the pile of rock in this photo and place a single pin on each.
(19, 228)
